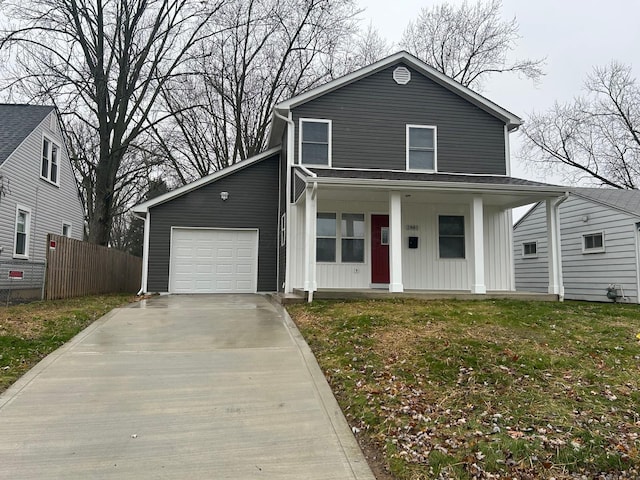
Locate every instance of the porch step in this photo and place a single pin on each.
(347, 294)
(287, 298)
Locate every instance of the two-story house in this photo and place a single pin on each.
(40, 195)
(393, 177)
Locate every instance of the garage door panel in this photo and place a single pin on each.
(212, 260)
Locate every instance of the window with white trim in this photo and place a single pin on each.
(21, 243)
(352, 238)
(315, 142)
(326, 235)
(49, 165)
(342, 240)
(421, 148)
(593, 242)
(66, 230)
(451, 236)
(530, 249)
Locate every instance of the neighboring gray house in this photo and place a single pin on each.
(599, 230)
(40, 194)
(394, 176)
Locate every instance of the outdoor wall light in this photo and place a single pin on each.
(224, 196)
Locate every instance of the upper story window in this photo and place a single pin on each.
(593, 242)
(49, 165)
(421, 148)
(21, 243)
(315, 142)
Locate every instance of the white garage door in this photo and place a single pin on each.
(213, 261)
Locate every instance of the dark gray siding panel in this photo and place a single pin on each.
(299, 186)
(252, 203)
(369, 125)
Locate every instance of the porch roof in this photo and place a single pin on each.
(505, 191)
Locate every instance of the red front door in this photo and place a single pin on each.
(379, 248)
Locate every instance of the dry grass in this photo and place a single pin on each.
(491, 389)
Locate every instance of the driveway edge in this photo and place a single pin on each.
(353, 453)
(14, 390)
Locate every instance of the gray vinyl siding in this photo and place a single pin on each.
(369, 119)
(532, 273)
(298, 187)
(586, 275)
(253, 203)
(50, 205)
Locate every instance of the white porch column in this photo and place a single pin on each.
(311, 209)
(553, 248)
(477, 235)
(395, 242)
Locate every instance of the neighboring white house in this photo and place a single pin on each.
(40, 194)
(599, 229)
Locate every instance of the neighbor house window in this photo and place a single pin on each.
(530, 249)
(593, 242)
(49, 166)
(315, 142)
(451, 236)
(326, 237)
(21, 244)
(66, 230)
(421, 148)
(352, 234)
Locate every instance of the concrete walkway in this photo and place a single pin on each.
(197, 387)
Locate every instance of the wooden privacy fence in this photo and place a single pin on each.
(76, 268)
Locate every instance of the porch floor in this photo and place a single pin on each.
(373, 293)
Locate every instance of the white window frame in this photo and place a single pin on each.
(67, 224)
(464, 237)
(329, 140)
(435, 148)
(363, 238)
(530, 255)
(59, 151)
(596, 249)
(25, 255)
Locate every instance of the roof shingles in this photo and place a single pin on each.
(16, 123)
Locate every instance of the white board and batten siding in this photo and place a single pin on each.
(211, 260)
(422, 269)
(50, 205)
(586, 276)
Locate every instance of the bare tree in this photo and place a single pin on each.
(105, 64)
(467, 43)
(269, 50)
(594, 137)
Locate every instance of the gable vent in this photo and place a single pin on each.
(402, 75)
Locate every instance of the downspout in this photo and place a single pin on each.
(290, 152)
(556, 219)
(314, 196)
(145, 251)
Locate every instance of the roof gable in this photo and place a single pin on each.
(16, 123)
(511, 120)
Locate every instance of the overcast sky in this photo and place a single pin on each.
(573, 35)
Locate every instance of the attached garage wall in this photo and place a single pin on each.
(252, 204)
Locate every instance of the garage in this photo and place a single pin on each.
(211, 260)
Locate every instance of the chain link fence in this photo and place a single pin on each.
(21, 281)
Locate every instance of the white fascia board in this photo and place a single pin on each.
(512, 120)
(143, 208)
(550, 191)
(526, 215)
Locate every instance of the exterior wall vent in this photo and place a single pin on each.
(402, 75)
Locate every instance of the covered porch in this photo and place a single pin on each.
(415, 234)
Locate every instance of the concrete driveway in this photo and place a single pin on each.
(215, 387)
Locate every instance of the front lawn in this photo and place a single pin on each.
(31, 331)
(485, 389)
